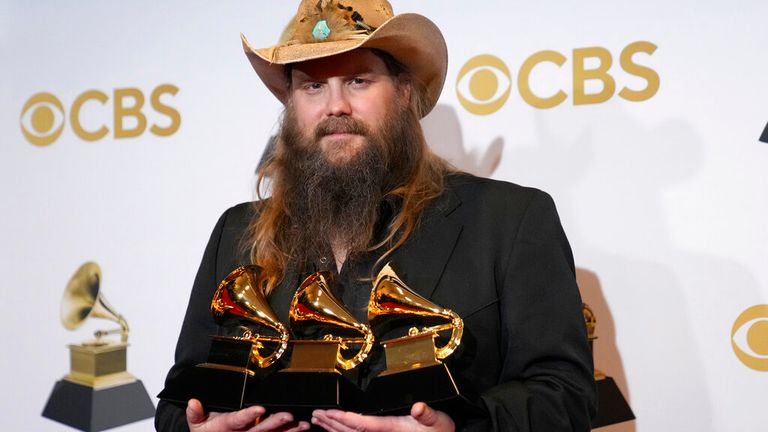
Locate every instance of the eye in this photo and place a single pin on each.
(312, 87)
(483, 84)
(359, 82)
(749, 337)
(42, 119)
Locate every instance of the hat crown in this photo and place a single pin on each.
(348, 19)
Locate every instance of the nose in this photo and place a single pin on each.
(337, 103)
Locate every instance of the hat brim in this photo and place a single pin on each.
(412, 39)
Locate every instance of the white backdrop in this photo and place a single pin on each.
(663, 199)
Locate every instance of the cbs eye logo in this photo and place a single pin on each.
(39, 118)
(43, 115)
(484, 84)
(749, 337)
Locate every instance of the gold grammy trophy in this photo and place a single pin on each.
(325, 340)
(414, 368)
(98, 393)
(241, 297)
(612, 407)
(220, 383)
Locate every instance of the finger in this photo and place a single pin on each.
(344, 421)
(274, 421)
(195, 412)
(244, 418)
(424, 414)
(321, 418)
(302, 426)
(433, 419)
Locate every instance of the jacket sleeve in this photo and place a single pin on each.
(546, 381)
(194, 339)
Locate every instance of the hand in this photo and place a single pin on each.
(422, 419)
(245, 420)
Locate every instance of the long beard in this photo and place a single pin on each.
(338, 203)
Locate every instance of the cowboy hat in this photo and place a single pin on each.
(323, 28)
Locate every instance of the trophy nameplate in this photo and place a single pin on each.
(409, 352)
(313, 356)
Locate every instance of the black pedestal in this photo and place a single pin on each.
(217, 389)
(87, 409)
(219, 384)
(612, 408)
(301, 392)
(395, 393)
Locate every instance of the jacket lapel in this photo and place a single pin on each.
(420, 262)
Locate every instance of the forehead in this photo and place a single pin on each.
(350, 63)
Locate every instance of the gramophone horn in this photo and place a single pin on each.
(392, 297)
(314, 307)
(241, 295)
(83, 299)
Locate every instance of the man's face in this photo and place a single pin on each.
(339, 100)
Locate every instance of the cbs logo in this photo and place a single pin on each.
(484, 83)
(749, 337)
(43, 116)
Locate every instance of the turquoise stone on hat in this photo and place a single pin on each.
(321, 30)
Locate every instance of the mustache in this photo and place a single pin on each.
(343, 124)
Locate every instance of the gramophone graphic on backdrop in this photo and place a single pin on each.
(98, 393)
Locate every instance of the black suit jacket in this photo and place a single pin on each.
(495, 253)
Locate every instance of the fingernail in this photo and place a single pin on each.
(258, 410)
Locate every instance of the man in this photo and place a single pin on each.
(354, 186)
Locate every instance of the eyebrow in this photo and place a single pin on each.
(296, 75)
(304, 76)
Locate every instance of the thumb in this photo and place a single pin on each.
(195, 412)
(424, 414)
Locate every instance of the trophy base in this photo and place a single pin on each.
(88, 409)
(219, 384)
(218, 388)
(299, 393)
(612, 407)
(395, 393)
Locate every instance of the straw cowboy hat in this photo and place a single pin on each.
(323, 28)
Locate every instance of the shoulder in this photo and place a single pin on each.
(493, 207)
(244, 210)
(479, 192)
(233, 222)
(228, 243)
(238, 216)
